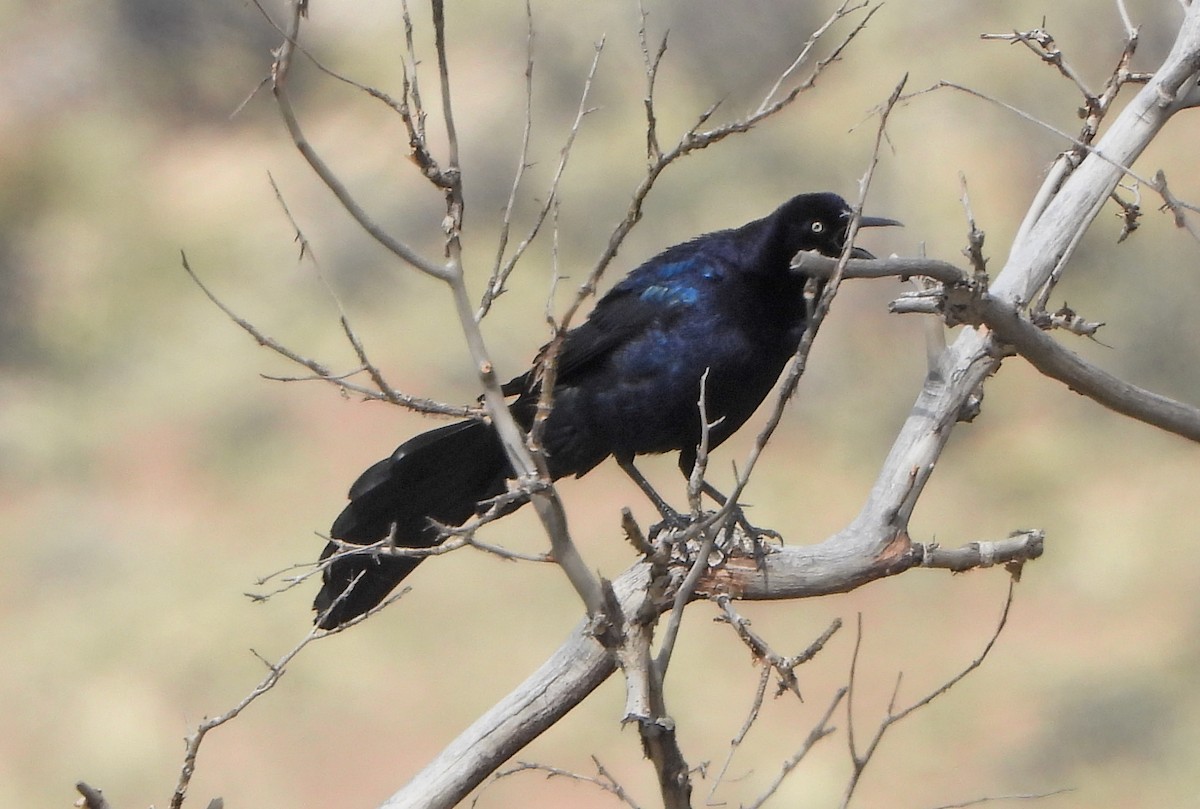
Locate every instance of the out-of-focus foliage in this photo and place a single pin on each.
(148, 474)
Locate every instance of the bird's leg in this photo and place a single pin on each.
(671, 517)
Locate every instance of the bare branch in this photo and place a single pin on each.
(1012, 552)
(764, 679)
(196, 738)
(820, 731)
(533, 480)
(412, 89)
(603, 779)
(1175, 205)
(305, 247)
(963, 302)
(439, 33)
(839, 564)
(324, 373)
(975, 236)
(1043, 246)
(1045, 354)
(1094, 110)
(785, 667)
(707, 532)
(503, 268)
(653, 151)
(92, 797)
(1042, 44)
(844, 10)
(817, 265)
(279, 78)
(1027, 796)
(860, 760)
(496, 282)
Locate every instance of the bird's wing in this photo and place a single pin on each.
(654, 293)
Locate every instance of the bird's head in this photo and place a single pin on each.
(819, 222)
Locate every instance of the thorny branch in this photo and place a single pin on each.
(785, 668)
(1093, 111)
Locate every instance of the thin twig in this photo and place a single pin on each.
(496, 282)
(706, 530)
(860, 759)
(390, 393)
(322, 170)
(764, 679)
(1025, 796)
(503, 268)
(1041, 43)
(843, 10)
(603, 779)
(819, 732)
(653, 151)
(455, 204)
(1058, 174)
(196, 737)
(784, 667)
(305, 247)
(321, 371)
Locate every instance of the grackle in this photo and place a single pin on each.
(627, 384)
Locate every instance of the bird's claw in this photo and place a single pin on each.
(738, 536)
(672, 523)
(746, 534)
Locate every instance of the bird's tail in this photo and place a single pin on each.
(440, 475)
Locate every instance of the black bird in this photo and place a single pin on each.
(628, 381)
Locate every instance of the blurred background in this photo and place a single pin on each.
(150, 475)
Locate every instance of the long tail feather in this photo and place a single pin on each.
(440, 475)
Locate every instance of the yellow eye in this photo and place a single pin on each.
(817, 227)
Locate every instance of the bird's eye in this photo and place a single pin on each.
(817, 227)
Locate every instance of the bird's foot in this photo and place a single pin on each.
(738, 537)
(677, 540)
(672, 524)
(744, 538)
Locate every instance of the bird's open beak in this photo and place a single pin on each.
(872, 222)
